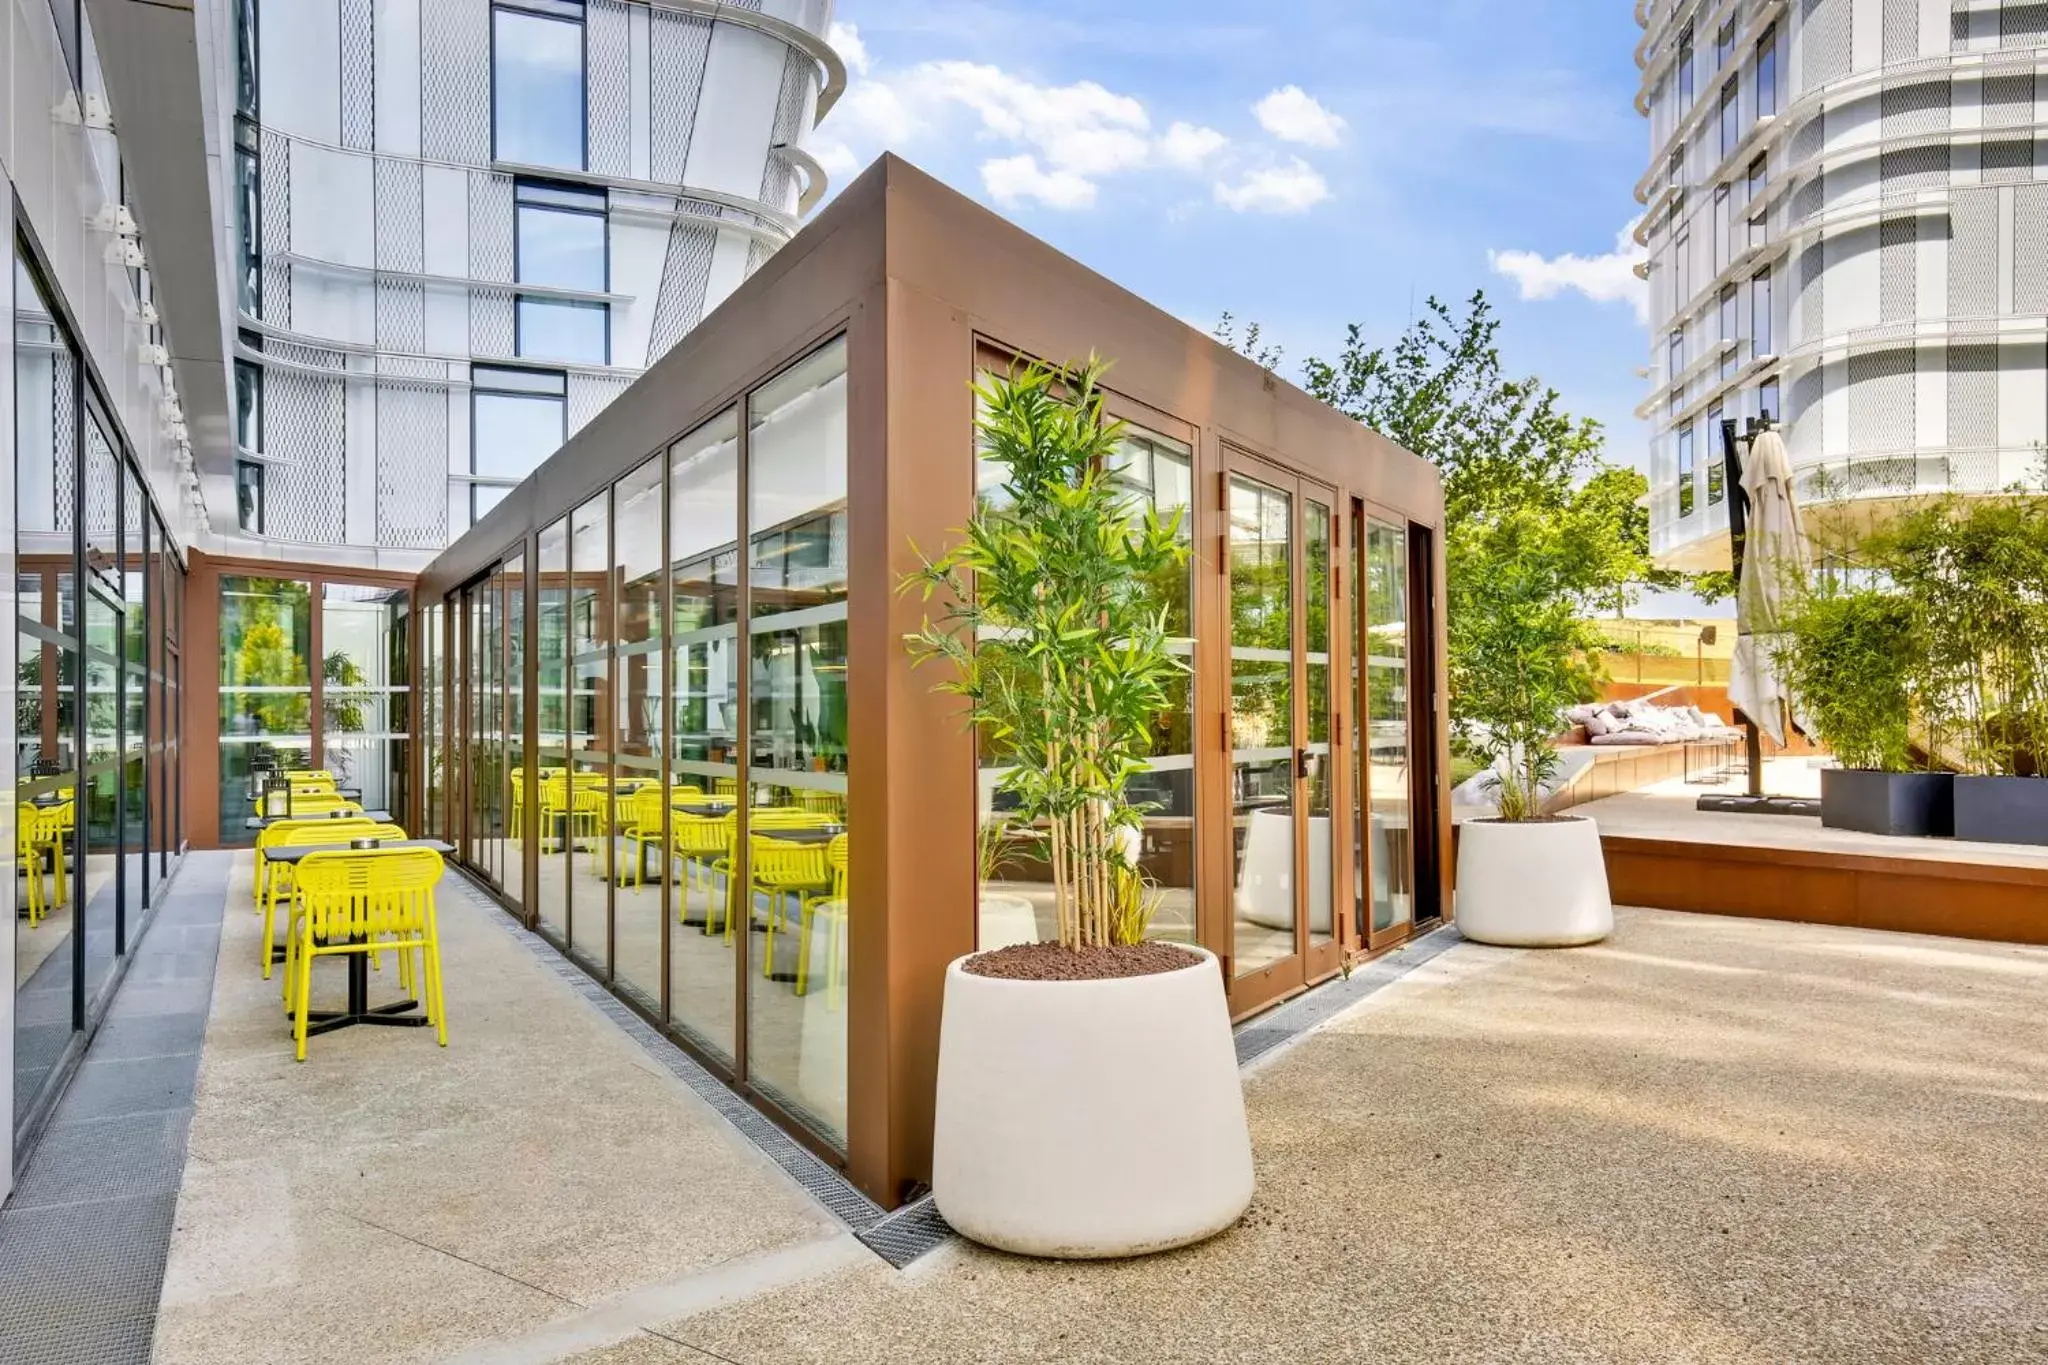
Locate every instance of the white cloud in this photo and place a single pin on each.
(845, 40)
(1013, 178)
(1292, 115)
(1608, 278)
(1188, 147)
(1295, 187)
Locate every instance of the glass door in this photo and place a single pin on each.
(1393, 777)
(1279, 537)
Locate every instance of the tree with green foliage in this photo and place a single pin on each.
(1055, 639)
(1848, 653)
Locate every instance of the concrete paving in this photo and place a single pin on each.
(1708, 1140)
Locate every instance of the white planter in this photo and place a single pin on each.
(1265, 883)
(1085, 1119)
(1532, 883)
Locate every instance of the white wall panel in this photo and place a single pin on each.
(447, 320)
(639, 247)
(1930, 398)
(1853, 270)
(334, 208)
(444, 213)
(735, 112)
(398, 76)
(2023, 396)
(299, 68)
(360, 479)
(728, 268)
(1866, 44)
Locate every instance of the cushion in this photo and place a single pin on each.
(1629, 737)
(1579, 715)
(1599, 723)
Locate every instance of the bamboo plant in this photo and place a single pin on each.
(1045, 615)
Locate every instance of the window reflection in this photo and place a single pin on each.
(365, 694)
(1384, 882)
(589, 799)
(517, 419)
(537, 83)
(266, 689)
(560, 241)
(798, 904)
(638, 813)
(551, 663)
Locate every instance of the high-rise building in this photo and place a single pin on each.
(1846, 210)
(450, 231)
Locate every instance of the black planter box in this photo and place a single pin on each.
(2002, 810)
(1887, 803)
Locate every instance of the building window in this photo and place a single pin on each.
(1759, 172)
(1767, 73)
(1729, 327)
(517, 418)
(1723, 230)
(1685, 493)
(1681, 260)
(537, 109)
(1724, 46)
(1760, 314)
(1731, 115)
(248, 404)
(1716, 473)
(249, 495)
(1767, 401)
(245, 59)
(248, 222)
(1674, 356)
(1685, 82)
(560, 240)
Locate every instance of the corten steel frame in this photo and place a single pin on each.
(201, 762)
(924, 284)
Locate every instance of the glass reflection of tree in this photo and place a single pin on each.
(265, 654)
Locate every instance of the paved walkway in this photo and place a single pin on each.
(1708, 1140)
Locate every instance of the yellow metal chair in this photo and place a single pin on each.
(726, 786)
(643, 827)
(831, 909)
(593, 820)
(706, 842)
(309, 775)
(684, 795)
(820, 802)
(274, 880)
(783, 869)
(365, 901)
(40, 831)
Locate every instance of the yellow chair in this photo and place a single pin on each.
(593, 820)
(315, 803)
(39, 831)
(831, 909)
(309, 775)
(707, 842)
(643, 828)
(820, 802)
(726, 786)
(275, 879)
(683, 796)
(365, 901)
(783, 869)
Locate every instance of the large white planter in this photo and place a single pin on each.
(1086, 1119)
(1532, 883)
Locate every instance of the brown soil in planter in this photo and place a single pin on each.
(1050, 962)
(1529, 820)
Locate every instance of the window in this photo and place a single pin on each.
(248, 222)
(1716, 473)
(1767, 73)
(1767, 401)
(1723, 235)
(249, 495)
(1760, 314)
(560, 241)
(245, 59)
(70, 36)
(1724, 46)
(1681, 260)
(1731, 115)
(1729, 326)
(248, 404)
(1759, 172)
(1685, 82)
(517, 418)
(1674, 356)
(1685, 493)
(537, 111)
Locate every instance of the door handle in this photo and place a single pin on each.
(1302, 762)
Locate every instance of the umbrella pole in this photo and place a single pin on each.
(1738, 532)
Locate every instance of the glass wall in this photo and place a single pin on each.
(638, 812)
(366, 691)
(797, 737)
(513, 881)
(537, 82)
(96, 689)
(704, 689)
(590, 795)
(1262, 677)
(433, 719)
(266, 689)
(1383, 877)
(551, 647)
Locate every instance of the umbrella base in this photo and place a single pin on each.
(1728, 804)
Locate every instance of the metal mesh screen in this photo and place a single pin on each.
(1916, 107)
(2022, 25)
(412, 465)
(2030, 249)
(358, 74)
(1898, 269)
(305, 422)
(1973, 254)
(678, 49)
(589, 394)
(401, 304)
(1881, 401)
(608, 88)
(1812, 283)
(276, 194)
(490, 258)
(64, 437)
(1901, 30)
(2008, 104)
(778, 179)
(1827, 47)
(685, 275)
(1911, 170)
(1972, 396)
(455, 80)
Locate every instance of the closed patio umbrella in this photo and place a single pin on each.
(1775, 562)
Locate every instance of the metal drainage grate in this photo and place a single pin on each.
(908, 1233)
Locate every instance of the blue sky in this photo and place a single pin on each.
(1301, 163)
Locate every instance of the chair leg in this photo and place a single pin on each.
(270, 929)
(803, 947)
(305, 985)
(63, 882)
(430, 960)
(835, 958)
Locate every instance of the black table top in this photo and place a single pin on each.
(804, 834)
(707, 808)
(382, 817)
(291, 853)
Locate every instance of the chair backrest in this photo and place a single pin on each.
(835, 858)
(726, 786)
(554, 791)
(356, 892)
(42, 824)
(823, 802)
(785, 817)
(700, 834)
(647, 808)
(316, 803)
(309, 775)
(322, 831)
(778, 860)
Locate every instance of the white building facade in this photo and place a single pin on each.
(456, 229)
(1846, 214)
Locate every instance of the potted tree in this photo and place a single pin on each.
(1518, 646)
(1851, 655)
(1974, 575)
(1088, 1096)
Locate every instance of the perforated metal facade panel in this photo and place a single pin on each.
(1972, 396)
(358, 74)
(1898, 269)
(1973, 254)
(305, 424)
(490, 258)
(1901, 30)
(685, 275)
(276, 234)
(2009, 103)
(401, 303)
(455, 80)
(678, 51)
(412, 502)
(1827, 37)
(1881, 402)
(608, 88)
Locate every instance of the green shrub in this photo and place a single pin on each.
(1849, 656)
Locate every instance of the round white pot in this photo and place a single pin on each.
(1532, 883)
(1086, 1119)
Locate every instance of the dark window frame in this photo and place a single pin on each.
(560, 11)
(537, 383)
(559, 197)
(1767, 73)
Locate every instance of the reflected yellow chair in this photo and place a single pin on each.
(783, 869)
(726, 786)
(365, 901)
(820, 802)
(40, 831)
(643, 827)
(706, 842)
(832, 909)
(309, 775)
(593, 820)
